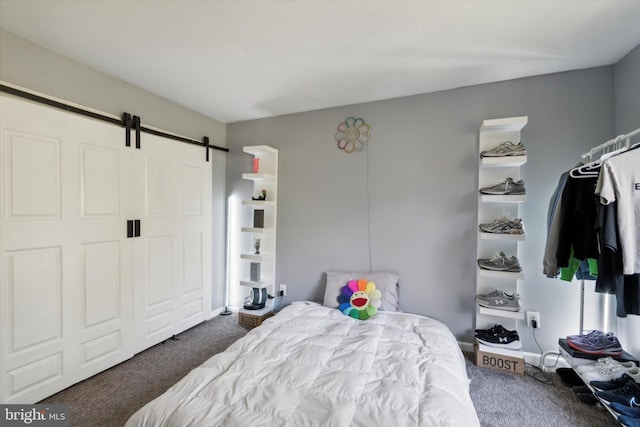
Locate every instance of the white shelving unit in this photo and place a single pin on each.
(490, 207)
(265, 179)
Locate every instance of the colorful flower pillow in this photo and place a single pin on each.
(359, 299)
(386, 283)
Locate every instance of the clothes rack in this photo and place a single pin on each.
(619, 144)
(609, 148)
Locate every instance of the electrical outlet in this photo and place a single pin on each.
(283, 290)
(531, 316)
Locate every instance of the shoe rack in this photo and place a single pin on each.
(490, 171)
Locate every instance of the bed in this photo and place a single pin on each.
(310, 365)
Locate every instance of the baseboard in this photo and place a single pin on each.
(529, 358)
(466, 347)
(216, 312)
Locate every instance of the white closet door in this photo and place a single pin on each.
(65, 262)
(173, 255)
(105, 296)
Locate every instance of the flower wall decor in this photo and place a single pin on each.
(352, 134)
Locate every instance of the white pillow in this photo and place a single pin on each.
(387, 283)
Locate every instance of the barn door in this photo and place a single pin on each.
(65, 262)
(77, 294)
(172, 257)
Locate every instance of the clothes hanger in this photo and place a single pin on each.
(586, 171)
(591, 169)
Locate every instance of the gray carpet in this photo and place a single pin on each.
(108, 399)
(507, 400)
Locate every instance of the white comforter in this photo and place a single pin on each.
(313, 366)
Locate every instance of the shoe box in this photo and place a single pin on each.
(498, 359)
(576, 358)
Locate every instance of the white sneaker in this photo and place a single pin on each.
(604, 373)
(603, 361)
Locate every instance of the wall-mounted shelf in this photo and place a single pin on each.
(501, 313)
(496, 274)
(503, 162)
(257, 230)
(250, 284)
(263, 203)
(258, 176)
(490, 207)
(254, 257)
(492, 198)
(261, 267)
(496, 236)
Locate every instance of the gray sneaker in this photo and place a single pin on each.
(499, 300)
(506, 148)
(500, 262)
(505, 187)
(503, 225)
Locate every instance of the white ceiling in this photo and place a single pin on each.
(240, 60)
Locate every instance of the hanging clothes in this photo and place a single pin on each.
(593, 223)
(550, 262)
(619, 181)
(610, 279)
(618, 230)
(576, 239)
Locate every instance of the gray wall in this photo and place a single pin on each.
(411, 195)
(627, 102)
(27, 65)
(627, 92)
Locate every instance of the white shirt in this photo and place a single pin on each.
(619, 181)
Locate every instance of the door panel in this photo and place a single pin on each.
(35, 296)
(40, 374)
(62, 235)
(101, 282)
(191, 190)
(100, 192)
(34, 328)
(33, 176)
(176, 233)
(158, 187)
(104, 336)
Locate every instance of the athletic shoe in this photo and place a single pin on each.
(569, 377)
(496, 330)
(510, 345)
(497, 334)
(629, 421)
(587, 398)
(625, 409)
(629, 395)
(506, 148)
(614, 383)
(603, 361)
(505, 187)
(591, 333)
(604, 373)
(504, 225)
(500, 262)
(597, 344)
(581, 389)
(499, 300)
